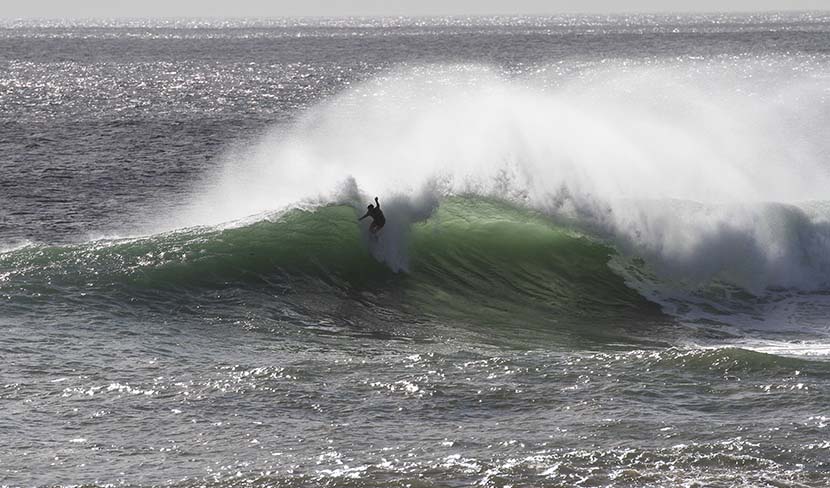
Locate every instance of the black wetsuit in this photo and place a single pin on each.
(377, 217)
(378, 220)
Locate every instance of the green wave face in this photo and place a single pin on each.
(474, 261)
(499, 263)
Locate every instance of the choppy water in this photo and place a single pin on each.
(606, 262)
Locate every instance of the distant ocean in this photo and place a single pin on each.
(606, 259)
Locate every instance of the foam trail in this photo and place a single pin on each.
(401, 211)
(391, 245)
(701, 168)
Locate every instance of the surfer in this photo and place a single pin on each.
(378, 220)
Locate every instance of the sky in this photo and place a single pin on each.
(333, 8)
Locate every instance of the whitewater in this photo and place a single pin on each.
(705, 175)
(606, 259)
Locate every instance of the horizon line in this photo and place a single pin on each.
(794, 11)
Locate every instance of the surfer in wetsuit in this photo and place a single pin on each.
(378, 220)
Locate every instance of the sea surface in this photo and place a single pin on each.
(606, 259)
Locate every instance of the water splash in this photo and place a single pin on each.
(701, 168)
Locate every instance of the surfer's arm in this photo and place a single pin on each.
(361, 218)
(377, 203)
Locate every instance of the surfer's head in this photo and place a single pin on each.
(370, 206)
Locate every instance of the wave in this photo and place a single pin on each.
(474, 260)
(467, 259)
(729, 360)
(588, 190)
(709, 170)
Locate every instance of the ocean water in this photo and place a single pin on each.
(606, 263)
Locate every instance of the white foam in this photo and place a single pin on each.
(799, 349)
(701, 168)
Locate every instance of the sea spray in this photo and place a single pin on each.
(672, 161)
(391, 243)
